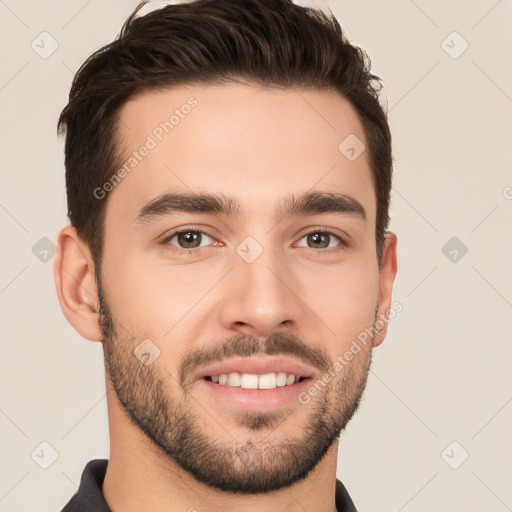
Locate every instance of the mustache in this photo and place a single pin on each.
(278, 344)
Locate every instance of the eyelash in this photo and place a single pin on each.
(315, 252)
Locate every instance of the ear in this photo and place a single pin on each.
(387, 275)
(76, 284)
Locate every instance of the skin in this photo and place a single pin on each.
(258, 146)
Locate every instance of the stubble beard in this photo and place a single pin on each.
(176, 432)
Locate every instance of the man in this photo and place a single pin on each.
(228, 171)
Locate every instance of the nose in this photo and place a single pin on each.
(260, 297)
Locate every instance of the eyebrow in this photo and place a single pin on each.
(309, 203)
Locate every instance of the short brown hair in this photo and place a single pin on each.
(271, 43)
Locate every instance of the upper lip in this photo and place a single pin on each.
(258, 365)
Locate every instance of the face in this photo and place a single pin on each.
(224, 312)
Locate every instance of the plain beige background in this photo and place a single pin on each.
(440, 388)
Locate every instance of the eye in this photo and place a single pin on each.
(191, 240)
(322, 240)
(188, 239)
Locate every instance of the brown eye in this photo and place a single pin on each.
(187, 239)
(319, 240)
(322, 240)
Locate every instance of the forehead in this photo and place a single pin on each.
(239, 140)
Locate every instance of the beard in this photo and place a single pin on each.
(173, 430)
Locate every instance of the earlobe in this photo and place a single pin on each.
(387, 276)
(76, 284)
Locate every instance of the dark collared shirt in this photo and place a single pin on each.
(89, 497)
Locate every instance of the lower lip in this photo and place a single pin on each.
(256, 399)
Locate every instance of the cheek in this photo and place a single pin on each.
(151, 297)
(345, 301)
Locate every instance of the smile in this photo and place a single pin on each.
(254, 381)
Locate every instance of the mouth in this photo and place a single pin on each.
(256, 372)
(256, 383)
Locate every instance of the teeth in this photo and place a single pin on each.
(234, 379)
(267, 381)
(281, 379)
(253, 381)
(249, 381)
